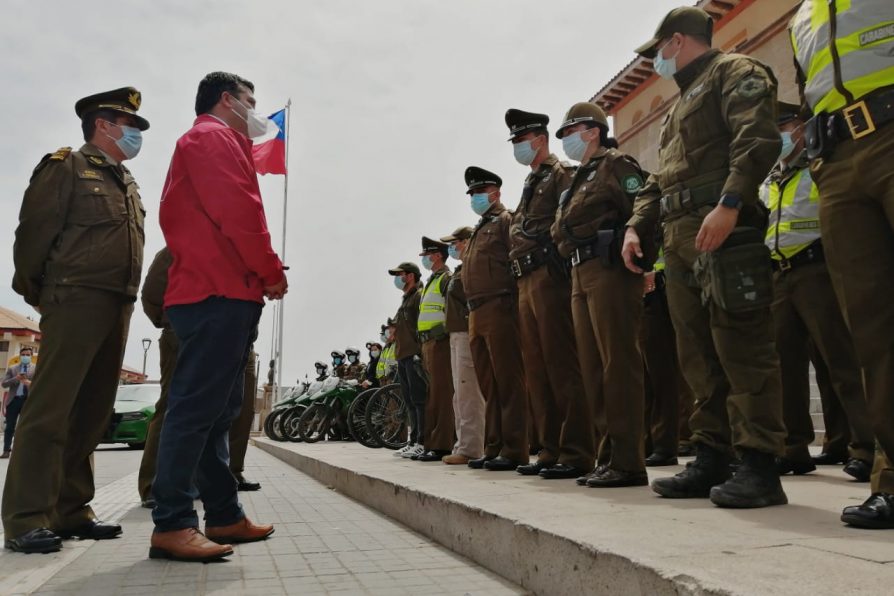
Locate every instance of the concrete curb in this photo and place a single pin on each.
(538, 560)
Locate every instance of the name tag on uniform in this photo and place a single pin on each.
(89, 175)
(695, 91)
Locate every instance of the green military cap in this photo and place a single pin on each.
(521, 122)
(687, 20)
(583, 112)
(126, 100)
(429, 245)
(786, 112)
(405, 268)
(463, 233)
(477, 177)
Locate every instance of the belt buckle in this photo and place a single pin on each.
(848, 114)
(575, 257)
(516, 268)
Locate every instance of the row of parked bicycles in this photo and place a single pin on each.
(338, 410)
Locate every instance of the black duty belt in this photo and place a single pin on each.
(860, 119)
(605, 248)
(691, 199)
(812, 254)
(435, 334)
(529, 262)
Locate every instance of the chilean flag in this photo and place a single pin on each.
(270, 155)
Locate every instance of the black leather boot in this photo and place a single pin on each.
(754, 484)
(710, 468)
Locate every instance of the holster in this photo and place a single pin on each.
(819, 136)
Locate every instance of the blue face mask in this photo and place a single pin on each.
(25, 359)
(399, 282)
(336, 361)
(453, 251)
(664, 68)
(480, 203)
(524, 153)
(130, 142)
(574, 146)
(427, 262)
(788, 145)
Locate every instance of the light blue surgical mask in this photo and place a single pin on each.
(453, 251)
(427, 262)
(384, 338)
(524, 153)
(130, 142)
(374, 353)
(25, 359)
(337, 361)
(480, 202)
(574, 146)
(788, 145)
(399, 282)
(665, 68)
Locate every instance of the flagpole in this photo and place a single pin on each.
(282, 254)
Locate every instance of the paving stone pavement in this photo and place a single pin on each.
(325, 543)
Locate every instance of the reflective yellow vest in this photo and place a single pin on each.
(432, 307)
(848, 41)
(794, 214)
(386, 362)
(659, 262)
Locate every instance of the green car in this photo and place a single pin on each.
(134, 408)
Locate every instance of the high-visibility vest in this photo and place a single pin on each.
(794, 214)
(659, 262)
(845, 49)
(386, 362)
(432, 307)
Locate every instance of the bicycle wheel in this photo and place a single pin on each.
(387, 417)
(314, 422)
(357, 419)
(289, 423)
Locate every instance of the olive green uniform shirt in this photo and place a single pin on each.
(153, 295)
(537, 209)
(486, 272)
(405, 321)
(81, 224)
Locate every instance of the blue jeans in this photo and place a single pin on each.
(204, 399)
(13, 409)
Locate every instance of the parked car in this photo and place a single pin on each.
(134, 408)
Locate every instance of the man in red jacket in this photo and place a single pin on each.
(223, 267)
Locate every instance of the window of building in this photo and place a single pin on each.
(4, 346)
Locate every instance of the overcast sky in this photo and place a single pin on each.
(392, 99)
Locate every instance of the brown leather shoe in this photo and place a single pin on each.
(455, 460)
(242, 531)
(187, 545)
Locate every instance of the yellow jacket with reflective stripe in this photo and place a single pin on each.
(387, 361)
(793, 200)
(432, 307)
(843, 43)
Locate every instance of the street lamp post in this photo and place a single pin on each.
(146, 343)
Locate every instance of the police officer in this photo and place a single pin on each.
(552, 370)
(716, 146)
(240, 431)
(843, 50)
(339, 364)
(374, 348)
(432, 328)
(805, 309)
(468, 403)
(78, 256)
(606, 298)
(493, 326)
(355, 368)
(386, 368)
(413, 384)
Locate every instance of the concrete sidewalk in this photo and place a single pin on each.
(324, 543)
(554, 537)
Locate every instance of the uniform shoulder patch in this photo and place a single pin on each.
(631, 183)
(61, 153)
(752, 86)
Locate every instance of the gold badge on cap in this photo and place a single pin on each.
(135, 99)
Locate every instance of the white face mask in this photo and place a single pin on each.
(257, 124)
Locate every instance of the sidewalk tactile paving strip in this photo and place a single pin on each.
(325, 543)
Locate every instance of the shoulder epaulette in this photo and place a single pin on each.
(61, 154)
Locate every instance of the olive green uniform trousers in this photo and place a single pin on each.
(240, 431)
(493, 339)
(805, 309)
(856, 186)
(167, 349)
(666, 394)
(49, 482)
(558, 403)
(607, 305)
(729, 360)
(439, 433)
(836, 426)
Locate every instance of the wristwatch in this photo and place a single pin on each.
(731, 201)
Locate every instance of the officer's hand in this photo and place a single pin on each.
(716, 228)
(276, 292)
(631, 249)
(648, 283)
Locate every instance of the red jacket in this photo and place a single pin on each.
(213, 219)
